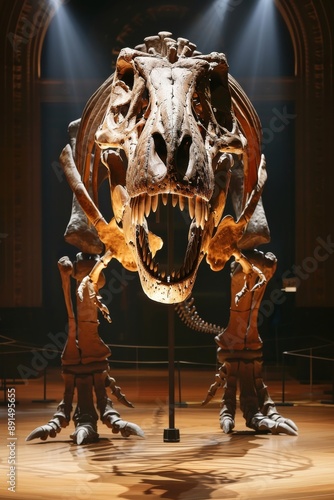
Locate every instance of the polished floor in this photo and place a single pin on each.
(205, 464)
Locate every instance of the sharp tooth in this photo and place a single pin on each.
(137, 209)
(154, 202)
(163, 274)
(175, 199)
(141, 209)
(206, 216)
(141, 237)
(203, 219)
(152, 265)
(205, 213)
(148, 259)
(134, 212)
(191, 207)
(198, 211)
(156, 267)
(148, 205)
(182, 202)
(172, 274)
(164, 198)
(145, 250)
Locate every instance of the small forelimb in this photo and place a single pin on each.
(90, 282)
(249, 269)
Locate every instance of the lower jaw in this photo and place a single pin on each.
(167, 293)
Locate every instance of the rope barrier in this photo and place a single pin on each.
(311, 357)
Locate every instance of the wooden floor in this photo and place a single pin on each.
(205, 464)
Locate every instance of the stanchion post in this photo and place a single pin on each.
(283, 403)
(311, 373)
(283, 378)
(179, 381)
(44, 400)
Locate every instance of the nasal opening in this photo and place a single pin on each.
(182, 156)
(160, 147)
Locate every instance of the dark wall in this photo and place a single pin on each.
(102, 29)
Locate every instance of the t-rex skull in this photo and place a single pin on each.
(170, 112)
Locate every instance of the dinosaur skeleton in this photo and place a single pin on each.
(170, 128)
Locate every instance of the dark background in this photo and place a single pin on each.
(136, 319)
(86, 52)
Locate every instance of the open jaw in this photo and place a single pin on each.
(172, 279)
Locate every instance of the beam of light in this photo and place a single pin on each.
(256, 51)
(69, 54)
(57, 3)
(248, 31)
(207, 29)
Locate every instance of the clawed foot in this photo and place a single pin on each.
(126, 428)
(51, 429)
(84, 434)
(227, 424)
(274, 423)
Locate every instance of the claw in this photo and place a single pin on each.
(227, 424)
(93, 295)
(275, 423)
(82, 286)
(284, 425)
(126, 428)
(213, 389)
(84, 434)
(102, 307)
(43, 432)
(116, 391)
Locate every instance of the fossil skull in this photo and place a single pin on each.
(170, 128)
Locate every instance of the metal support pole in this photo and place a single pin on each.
(283, 403)
(179, 380)
(311, 373)
(283, 378)
(171, 435)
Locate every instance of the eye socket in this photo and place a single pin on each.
(221, 101)
(213, 97)
(197, 105)
(127, 76)
(144, 105)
